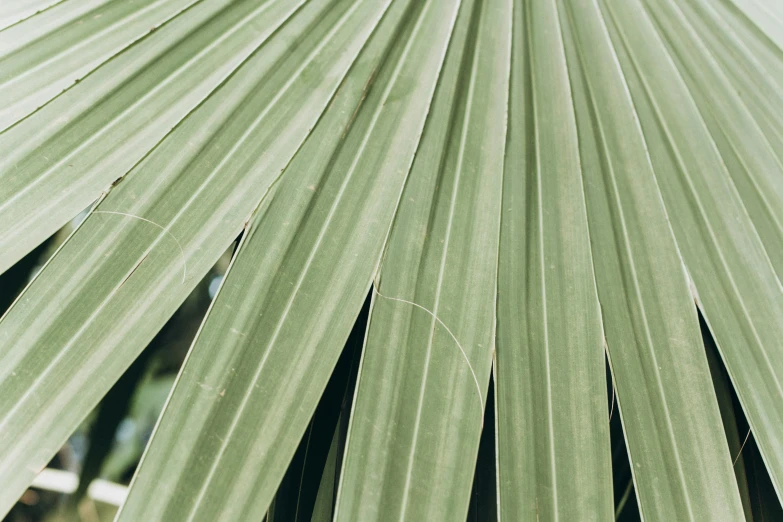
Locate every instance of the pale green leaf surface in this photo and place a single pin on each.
(535, 167)
(58, 160)
(47, 53)
(767, 15)
(734, 282)
(14, 11)
(734, 25)
(757, 79)
(677, 450)
(753, 162)
(267, 347)
(422, 385)
(553, 434)
(127, 268)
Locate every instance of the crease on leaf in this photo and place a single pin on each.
(108, 58)
(13, 20)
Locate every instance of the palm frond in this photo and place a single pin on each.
(524, 188)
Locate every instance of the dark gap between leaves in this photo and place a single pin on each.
(759, 500)
(306, 478)
(483, 498)
(625, 503)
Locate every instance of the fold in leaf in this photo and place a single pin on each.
(734, 282)
(131, 263)
(60, 159)
(43, 55)
(553, 432)
(268, 345)
(417, 418)
(676, 447)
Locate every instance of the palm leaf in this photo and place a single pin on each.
(523, 188)
(65, 155)
(734, 280)
(279, 288)
(434, 297)
(154, 236)
(45, 54)
(550, 360)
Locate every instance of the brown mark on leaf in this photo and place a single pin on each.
(365, 90)
(134, 270)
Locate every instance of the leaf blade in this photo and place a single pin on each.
(416, 422)
(734, 282)
(281, 324)
(678, 454)
(60, 159)
(127, 274)
(550, 360)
